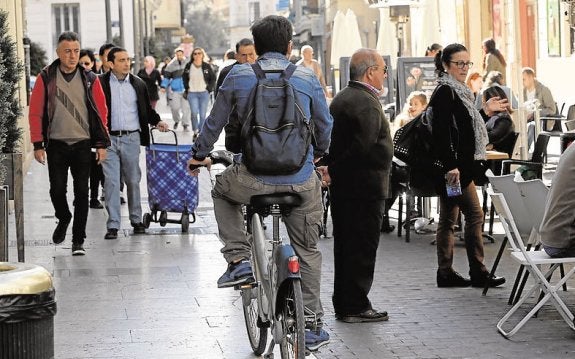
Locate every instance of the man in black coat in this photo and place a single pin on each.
(358, 169)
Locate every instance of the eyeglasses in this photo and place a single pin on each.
(384, 68)
(462, 64)
(196, 53)
(85, 63)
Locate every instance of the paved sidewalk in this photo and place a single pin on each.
(155, 295)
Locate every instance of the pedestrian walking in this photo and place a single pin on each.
(68, 117)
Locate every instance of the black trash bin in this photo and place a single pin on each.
(27, 309)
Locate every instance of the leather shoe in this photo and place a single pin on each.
(94, 203)
(367, 316)
(451, 279)
(387, 229)
(111, 234)
(479, 280)
(139, 228)
(60, 232)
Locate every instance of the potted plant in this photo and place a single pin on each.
(11, 69)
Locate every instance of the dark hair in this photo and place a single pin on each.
(272, 33)
(445, 55)
(68, 36)
(244, 42)
(230, 54)
(90, 54)
(495, 91)
(113, 51)
(491, 49)
(432, 47)
(105, 47)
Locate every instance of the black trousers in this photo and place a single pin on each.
(356, 230)
(76, 158)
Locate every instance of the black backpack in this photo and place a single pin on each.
(275, 133)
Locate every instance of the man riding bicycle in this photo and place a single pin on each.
(272, 39)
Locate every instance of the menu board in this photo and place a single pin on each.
(414, 74)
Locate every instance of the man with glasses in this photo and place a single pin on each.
(245, 53)
(358, 170)
(68, 116)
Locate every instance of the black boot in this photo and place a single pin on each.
(448, 278)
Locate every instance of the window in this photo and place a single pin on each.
(253, 11)
(66, 17)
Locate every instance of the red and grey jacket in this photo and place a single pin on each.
(42, 107)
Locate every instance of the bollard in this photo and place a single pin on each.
(27, 309)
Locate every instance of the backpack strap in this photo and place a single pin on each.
(261, 73)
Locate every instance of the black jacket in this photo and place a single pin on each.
(454, 147)
(153, 81)
(361, 148)
(147, 115)
(209, 76)
(222, 76)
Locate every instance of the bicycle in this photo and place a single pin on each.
(273, 301)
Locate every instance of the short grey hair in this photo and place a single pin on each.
(362, 60)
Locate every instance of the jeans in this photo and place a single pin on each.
(123, 162)
(75, 157)
(235, 186)
(559, 252)
(469, 204)
(199, 102)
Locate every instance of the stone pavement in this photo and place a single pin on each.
(155, 295)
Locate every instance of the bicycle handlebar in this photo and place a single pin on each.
(223, 157)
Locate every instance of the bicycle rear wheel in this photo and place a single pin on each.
(257, 334)
(292, 320)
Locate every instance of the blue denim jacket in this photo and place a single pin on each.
(233, 96)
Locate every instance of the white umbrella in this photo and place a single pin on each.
(337, 40)
(353, 42)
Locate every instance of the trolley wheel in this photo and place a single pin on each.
(147, 219)
(163, 218)
(185, 222)
(257, 333)
(290, 306)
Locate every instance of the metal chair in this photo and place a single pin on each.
(532, 260)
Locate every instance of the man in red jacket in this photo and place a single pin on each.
(68, 117)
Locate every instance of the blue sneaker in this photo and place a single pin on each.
(314, 339)
(237, 273)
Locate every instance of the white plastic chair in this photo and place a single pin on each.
(532, 260)
(506, 185)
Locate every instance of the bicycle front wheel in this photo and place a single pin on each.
(292, 320)
(257, 334)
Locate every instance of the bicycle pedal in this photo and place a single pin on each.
(247, 285)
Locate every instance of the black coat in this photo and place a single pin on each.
(153, 81)
(209, 76)
(146, 114)
(454, 147)
(361, 148)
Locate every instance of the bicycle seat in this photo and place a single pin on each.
(282, 199)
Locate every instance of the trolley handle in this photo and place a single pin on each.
(223, 157)
(162, 143)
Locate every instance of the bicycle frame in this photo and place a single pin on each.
(271, 269)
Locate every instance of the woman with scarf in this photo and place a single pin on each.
(459, 138)
(152, 78)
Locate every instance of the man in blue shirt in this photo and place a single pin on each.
(129, 117)
(272, 38)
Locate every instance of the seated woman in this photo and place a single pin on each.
(500, 125)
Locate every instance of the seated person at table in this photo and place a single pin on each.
(558, 225)
(500, 125)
